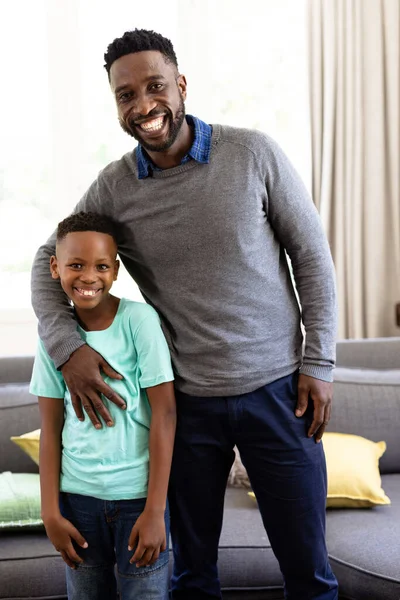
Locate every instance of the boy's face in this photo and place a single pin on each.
(86, 265)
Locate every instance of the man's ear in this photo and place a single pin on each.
(116, 270)
(54, 268)
(182, 85)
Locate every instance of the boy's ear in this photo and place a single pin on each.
(54, 268)
(116, 270)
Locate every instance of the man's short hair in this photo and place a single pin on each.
(139, 40)
(86, 221)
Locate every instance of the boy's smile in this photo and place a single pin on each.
(87, 292)
(86, 265)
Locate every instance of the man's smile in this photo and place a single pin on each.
(152, 125)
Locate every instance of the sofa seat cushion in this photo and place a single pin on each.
(30, 567)
(364, 547)
(245, 559)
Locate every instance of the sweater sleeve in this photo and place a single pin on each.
(57, 324)
(296, 222)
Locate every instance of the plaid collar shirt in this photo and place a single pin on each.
(200, 150)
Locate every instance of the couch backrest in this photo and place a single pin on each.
(366, 400)
(367, 394)
(18, 412)
(372, 353)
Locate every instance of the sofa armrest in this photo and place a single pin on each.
(16, 369)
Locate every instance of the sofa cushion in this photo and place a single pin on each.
(30, 567)
(19, 500)
(367, 403)
(244, 542)
(19, 413)
(364, 547)
(29, 442)
(362, 544)
(353, 471)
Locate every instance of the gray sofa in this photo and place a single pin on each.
(363, 543)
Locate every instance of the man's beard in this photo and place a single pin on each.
(174, 128)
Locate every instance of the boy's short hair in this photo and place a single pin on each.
(86, 221)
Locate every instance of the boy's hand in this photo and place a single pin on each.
(61, 532)
(148, 534)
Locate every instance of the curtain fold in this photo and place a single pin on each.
(354, 54)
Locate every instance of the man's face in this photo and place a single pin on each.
(150, 98)
(86, 266)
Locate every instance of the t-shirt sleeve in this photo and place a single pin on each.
(154, 359)
(46, 380)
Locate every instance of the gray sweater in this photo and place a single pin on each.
(206, 245)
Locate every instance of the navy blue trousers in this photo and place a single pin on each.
(287, 473)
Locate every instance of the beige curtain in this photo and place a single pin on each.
(354, 54)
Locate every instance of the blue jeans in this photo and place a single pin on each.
(288, 475)
(106, 526)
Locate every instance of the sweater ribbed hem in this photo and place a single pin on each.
(237, 388)
(62, 353)
(322, 372)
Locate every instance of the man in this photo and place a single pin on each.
(206, 214)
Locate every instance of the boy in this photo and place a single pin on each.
(104, 491)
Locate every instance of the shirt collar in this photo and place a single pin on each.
(199, 151)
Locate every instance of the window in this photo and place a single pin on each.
(245, 63)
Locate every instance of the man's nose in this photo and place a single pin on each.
(144, 104)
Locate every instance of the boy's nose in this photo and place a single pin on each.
(89, 277)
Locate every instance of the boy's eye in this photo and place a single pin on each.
(102, 267)
(76, 266)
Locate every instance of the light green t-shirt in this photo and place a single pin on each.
(111, 463)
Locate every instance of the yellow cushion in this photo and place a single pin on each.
(352, 464)
(29, 442)
(353, 471)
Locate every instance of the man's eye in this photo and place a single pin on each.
(156, 87)
(124, 97)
